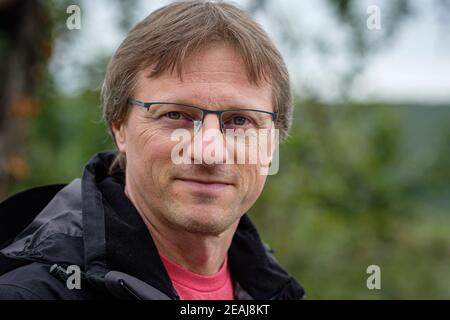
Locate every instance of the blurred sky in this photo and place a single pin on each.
(413, 68)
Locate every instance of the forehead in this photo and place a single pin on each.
(215, 76)
(218, 62)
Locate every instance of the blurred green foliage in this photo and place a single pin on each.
(65, 135)
(356, 188)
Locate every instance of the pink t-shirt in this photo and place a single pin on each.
(192, 286)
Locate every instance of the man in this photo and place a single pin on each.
(140, 223)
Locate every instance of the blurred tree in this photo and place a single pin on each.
(25, 46)
(351, 16)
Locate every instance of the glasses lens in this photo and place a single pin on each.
(174, 116)
(243, 119)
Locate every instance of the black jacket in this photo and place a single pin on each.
(92, 224)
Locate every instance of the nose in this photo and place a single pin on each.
(211, 121)
(209, 146)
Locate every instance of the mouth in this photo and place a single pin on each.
(204, 185)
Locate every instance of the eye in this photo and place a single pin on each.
(174, 115)
(239, 120)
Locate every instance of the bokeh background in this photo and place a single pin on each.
(365, 176)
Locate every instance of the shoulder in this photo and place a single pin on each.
(34, 282)
(29, 203)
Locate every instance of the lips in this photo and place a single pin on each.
(205, 181)
(204, 185)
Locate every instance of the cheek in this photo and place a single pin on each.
(252, 182)
(146, 142)
(149, 155)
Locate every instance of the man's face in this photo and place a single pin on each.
(198, 198)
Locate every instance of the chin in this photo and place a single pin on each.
(200, 227)
(204, 219)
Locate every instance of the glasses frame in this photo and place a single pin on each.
(204, 111)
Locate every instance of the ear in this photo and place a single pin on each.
(118, 129)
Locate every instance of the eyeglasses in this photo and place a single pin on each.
(182, 116)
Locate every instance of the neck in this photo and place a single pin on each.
(199, 253)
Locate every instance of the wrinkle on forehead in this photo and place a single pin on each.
(214, 76)
(217, 57)
(196, 76)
